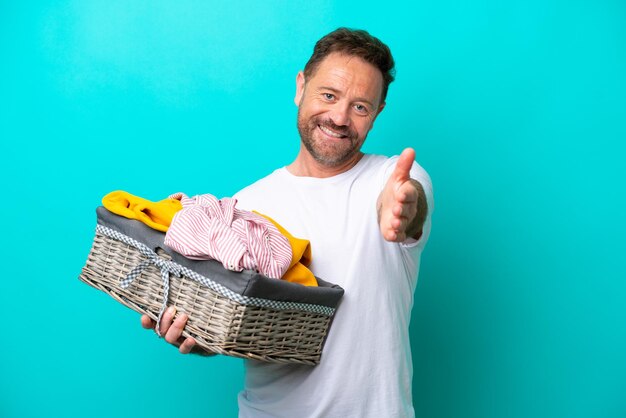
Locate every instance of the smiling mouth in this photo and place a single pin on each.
(331, 133)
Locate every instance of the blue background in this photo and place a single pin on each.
(517, 109)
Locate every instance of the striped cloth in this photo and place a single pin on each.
(207, 228)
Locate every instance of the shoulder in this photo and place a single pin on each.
(261, 190)
(373, 162)
(381, 167)
(371, 166)
(418, 172)
(263, 183)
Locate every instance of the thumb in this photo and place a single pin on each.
(403, 166)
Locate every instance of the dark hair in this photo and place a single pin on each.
(354, 42)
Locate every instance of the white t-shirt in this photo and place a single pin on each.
(366, 368)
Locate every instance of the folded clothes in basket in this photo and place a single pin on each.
(243, 314)
(203, 227)
(157, 215)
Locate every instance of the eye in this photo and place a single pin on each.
(329, 96)
(361, 108)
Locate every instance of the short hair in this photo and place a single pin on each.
(354, 42)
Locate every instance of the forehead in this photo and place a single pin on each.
(349, 74)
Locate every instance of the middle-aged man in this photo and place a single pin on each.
(367, 218)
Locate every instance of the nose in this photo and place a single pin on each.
(340, 115)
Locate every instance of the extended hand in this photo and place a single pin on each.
(399, 202)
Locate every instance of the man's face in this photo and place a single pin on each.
(337, 107)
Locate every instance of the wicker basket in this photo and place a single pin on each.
(220, 320)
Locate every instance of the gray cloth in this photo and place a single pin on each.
(246, 283)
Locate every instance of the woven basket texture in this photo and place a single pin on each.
(218, 324)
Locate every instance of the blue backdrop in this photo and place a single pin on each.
(517, 109)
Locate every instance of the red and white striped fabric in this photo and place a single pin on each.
(207, 228)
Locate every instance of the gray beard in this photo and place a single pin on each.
(306, 129)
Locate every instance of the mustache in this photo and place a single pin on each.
(343, 130)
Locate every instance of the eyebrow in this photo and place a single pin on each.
(358, 99)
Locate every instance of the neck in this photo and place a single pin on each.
(306, 166)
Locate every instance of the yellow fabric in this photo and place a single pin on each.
(298, 271)
(157, 215)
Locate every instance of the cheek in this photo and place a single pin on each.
(363, 126)
(319, 104)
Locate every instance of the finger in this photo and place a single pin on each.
(176, 330)
(406, 193)
(399, 210)
(407, 211)
(399, 224)
(403, 165)
(146, 322)
(400, 237)
(403, 210)
(187, 346)
(390, 235)
(166, 319)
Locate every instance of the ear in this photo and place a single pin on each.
(299, 88)
(380, 108)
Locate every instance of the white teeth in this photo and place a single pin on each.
(330, 133)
